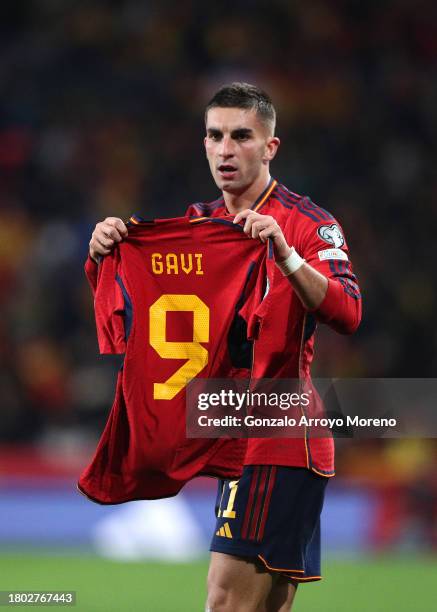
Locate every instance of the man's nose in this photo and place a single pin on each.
(227, 147)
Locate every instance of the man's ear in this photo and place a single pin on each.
(272, 146)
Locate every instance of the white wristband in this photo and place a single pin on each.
(290, 265)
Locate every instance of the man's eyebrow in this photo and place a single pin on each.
(241, 132)
(212, 131)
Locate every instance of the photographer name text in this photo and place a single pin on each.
(252, 421)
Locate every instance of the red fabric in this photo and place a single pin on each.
(259, 497)
(91, 270)
(337, 310)
(265, 511)
(249, 505)
(284, 345)
(109, 307)
(143, 452)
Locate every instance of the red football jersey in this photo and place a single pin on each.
(284, 344)
(167, 298)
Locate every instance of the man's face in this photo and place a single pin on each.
(238, 147)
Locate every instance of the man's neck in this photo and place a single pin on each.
(236, 202)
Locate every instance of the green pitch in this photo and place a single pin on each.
(373, 585)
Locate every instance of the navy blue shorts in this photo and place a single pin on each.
(272, 516)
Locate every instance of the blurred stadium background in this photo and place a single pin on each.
(101, 114)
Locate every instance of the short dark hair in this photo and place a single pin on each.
(244, 95)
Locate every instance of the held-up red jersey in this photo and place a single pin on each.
(168, 298)
(284, 344)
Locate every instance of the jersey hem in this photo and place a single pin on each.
(100, 501)
(286, 463)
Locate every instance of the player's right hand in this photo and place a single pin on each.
(105, 236)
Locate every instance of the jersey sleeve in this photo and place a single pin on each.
(112, 306)
(91, 270)
(257, 294)
(323, 246)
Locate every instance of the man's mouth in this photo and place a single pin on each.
(227, 170)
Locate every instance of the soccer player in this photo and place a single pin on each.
(267, 538)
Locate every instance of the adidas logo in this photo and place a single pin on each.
(224, 531)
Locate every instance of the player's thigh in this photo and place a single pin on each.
(281, 596)
(236, 584)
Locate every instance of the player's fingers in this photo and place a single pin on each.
(102, 251)
(249, 215)
(243, 215)
(113, 226)
(105, 231)
(107, 242)
(266, 233)
(97, 248)
(115, 221)
(257, 226)
(112, 232)
(251, 218)
(103, 240)
(120, 226)
(247, 229)
(265, 221)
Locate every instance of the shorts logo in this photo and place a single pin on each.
(331, 234)
(224, 531)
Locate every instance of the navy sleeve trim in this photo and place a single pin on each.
(128, 311)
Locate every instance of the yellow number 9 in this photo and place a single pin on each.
(195, 354)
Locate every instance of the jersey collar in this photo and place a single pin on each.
(262, 199)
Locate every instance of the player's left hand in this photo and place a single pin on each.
(263, 227)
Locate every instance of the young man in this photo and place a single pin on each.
(267, 538)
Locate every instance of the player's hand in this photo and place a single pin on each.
(263, 227)
(105, 236)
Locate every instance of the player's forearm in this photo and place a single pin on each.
(309, 285)
(326, 298)
(340, 310)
